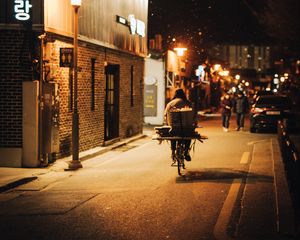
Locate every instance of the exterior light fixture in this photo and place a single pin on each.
(76, 3)
(180, 51)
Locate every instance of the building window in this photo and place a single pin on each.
(131, 86)
(93, 61)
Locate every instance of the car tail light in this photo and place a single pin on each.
(257, 110)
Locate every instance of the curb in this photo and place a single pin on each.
(112, 147)
(86, 155)
(285, 212)
(16, 183)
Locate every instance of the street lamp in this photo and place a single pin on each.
(180, 51)
(75, 163)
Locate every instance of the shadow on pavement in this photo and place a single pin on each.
(221, 174)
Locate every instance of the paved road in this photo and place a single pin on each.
(134, 193)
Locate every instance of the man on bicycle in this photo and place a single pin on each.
(179, 101)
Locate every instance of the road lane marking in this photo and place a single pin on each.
(259, 141)
(245, 158)
(220, 229)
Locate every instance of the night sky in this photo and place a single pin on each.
(198, 23)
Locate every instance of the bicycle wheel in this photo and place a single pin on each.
(180, 158)
(179, 166)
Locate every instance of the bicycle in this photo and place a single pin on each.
(165, 134)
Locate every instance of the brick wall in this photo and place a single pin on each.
(92, 121)
(16, 52)
(131, 116)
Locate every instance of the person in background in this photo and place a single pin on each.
(226, 105)
(179, 101)
(241, 107)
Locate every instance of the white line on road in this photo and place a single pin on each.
(259, 141)
(220, 228)
(245, 158)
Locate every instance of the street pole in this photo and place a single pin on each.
(41, 156)
(75, 163)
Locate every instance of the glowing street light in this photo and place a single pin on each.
(76, 3)
(237, 77)
(180, 51)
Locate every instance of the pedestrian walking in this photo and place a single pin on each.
(241, 107)
(226, 105)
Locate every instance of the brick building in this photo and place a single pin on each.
(111, 51)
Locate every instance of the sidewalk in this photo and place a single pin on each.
(14, 177)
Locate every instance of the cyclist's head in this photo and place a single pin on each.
(179, 93)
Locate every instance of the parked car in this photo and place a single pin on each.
(267, 110)
(260, 93)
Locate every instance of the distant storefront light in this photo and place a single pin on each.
(224, 73)
(217, 67)
(22, 10)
